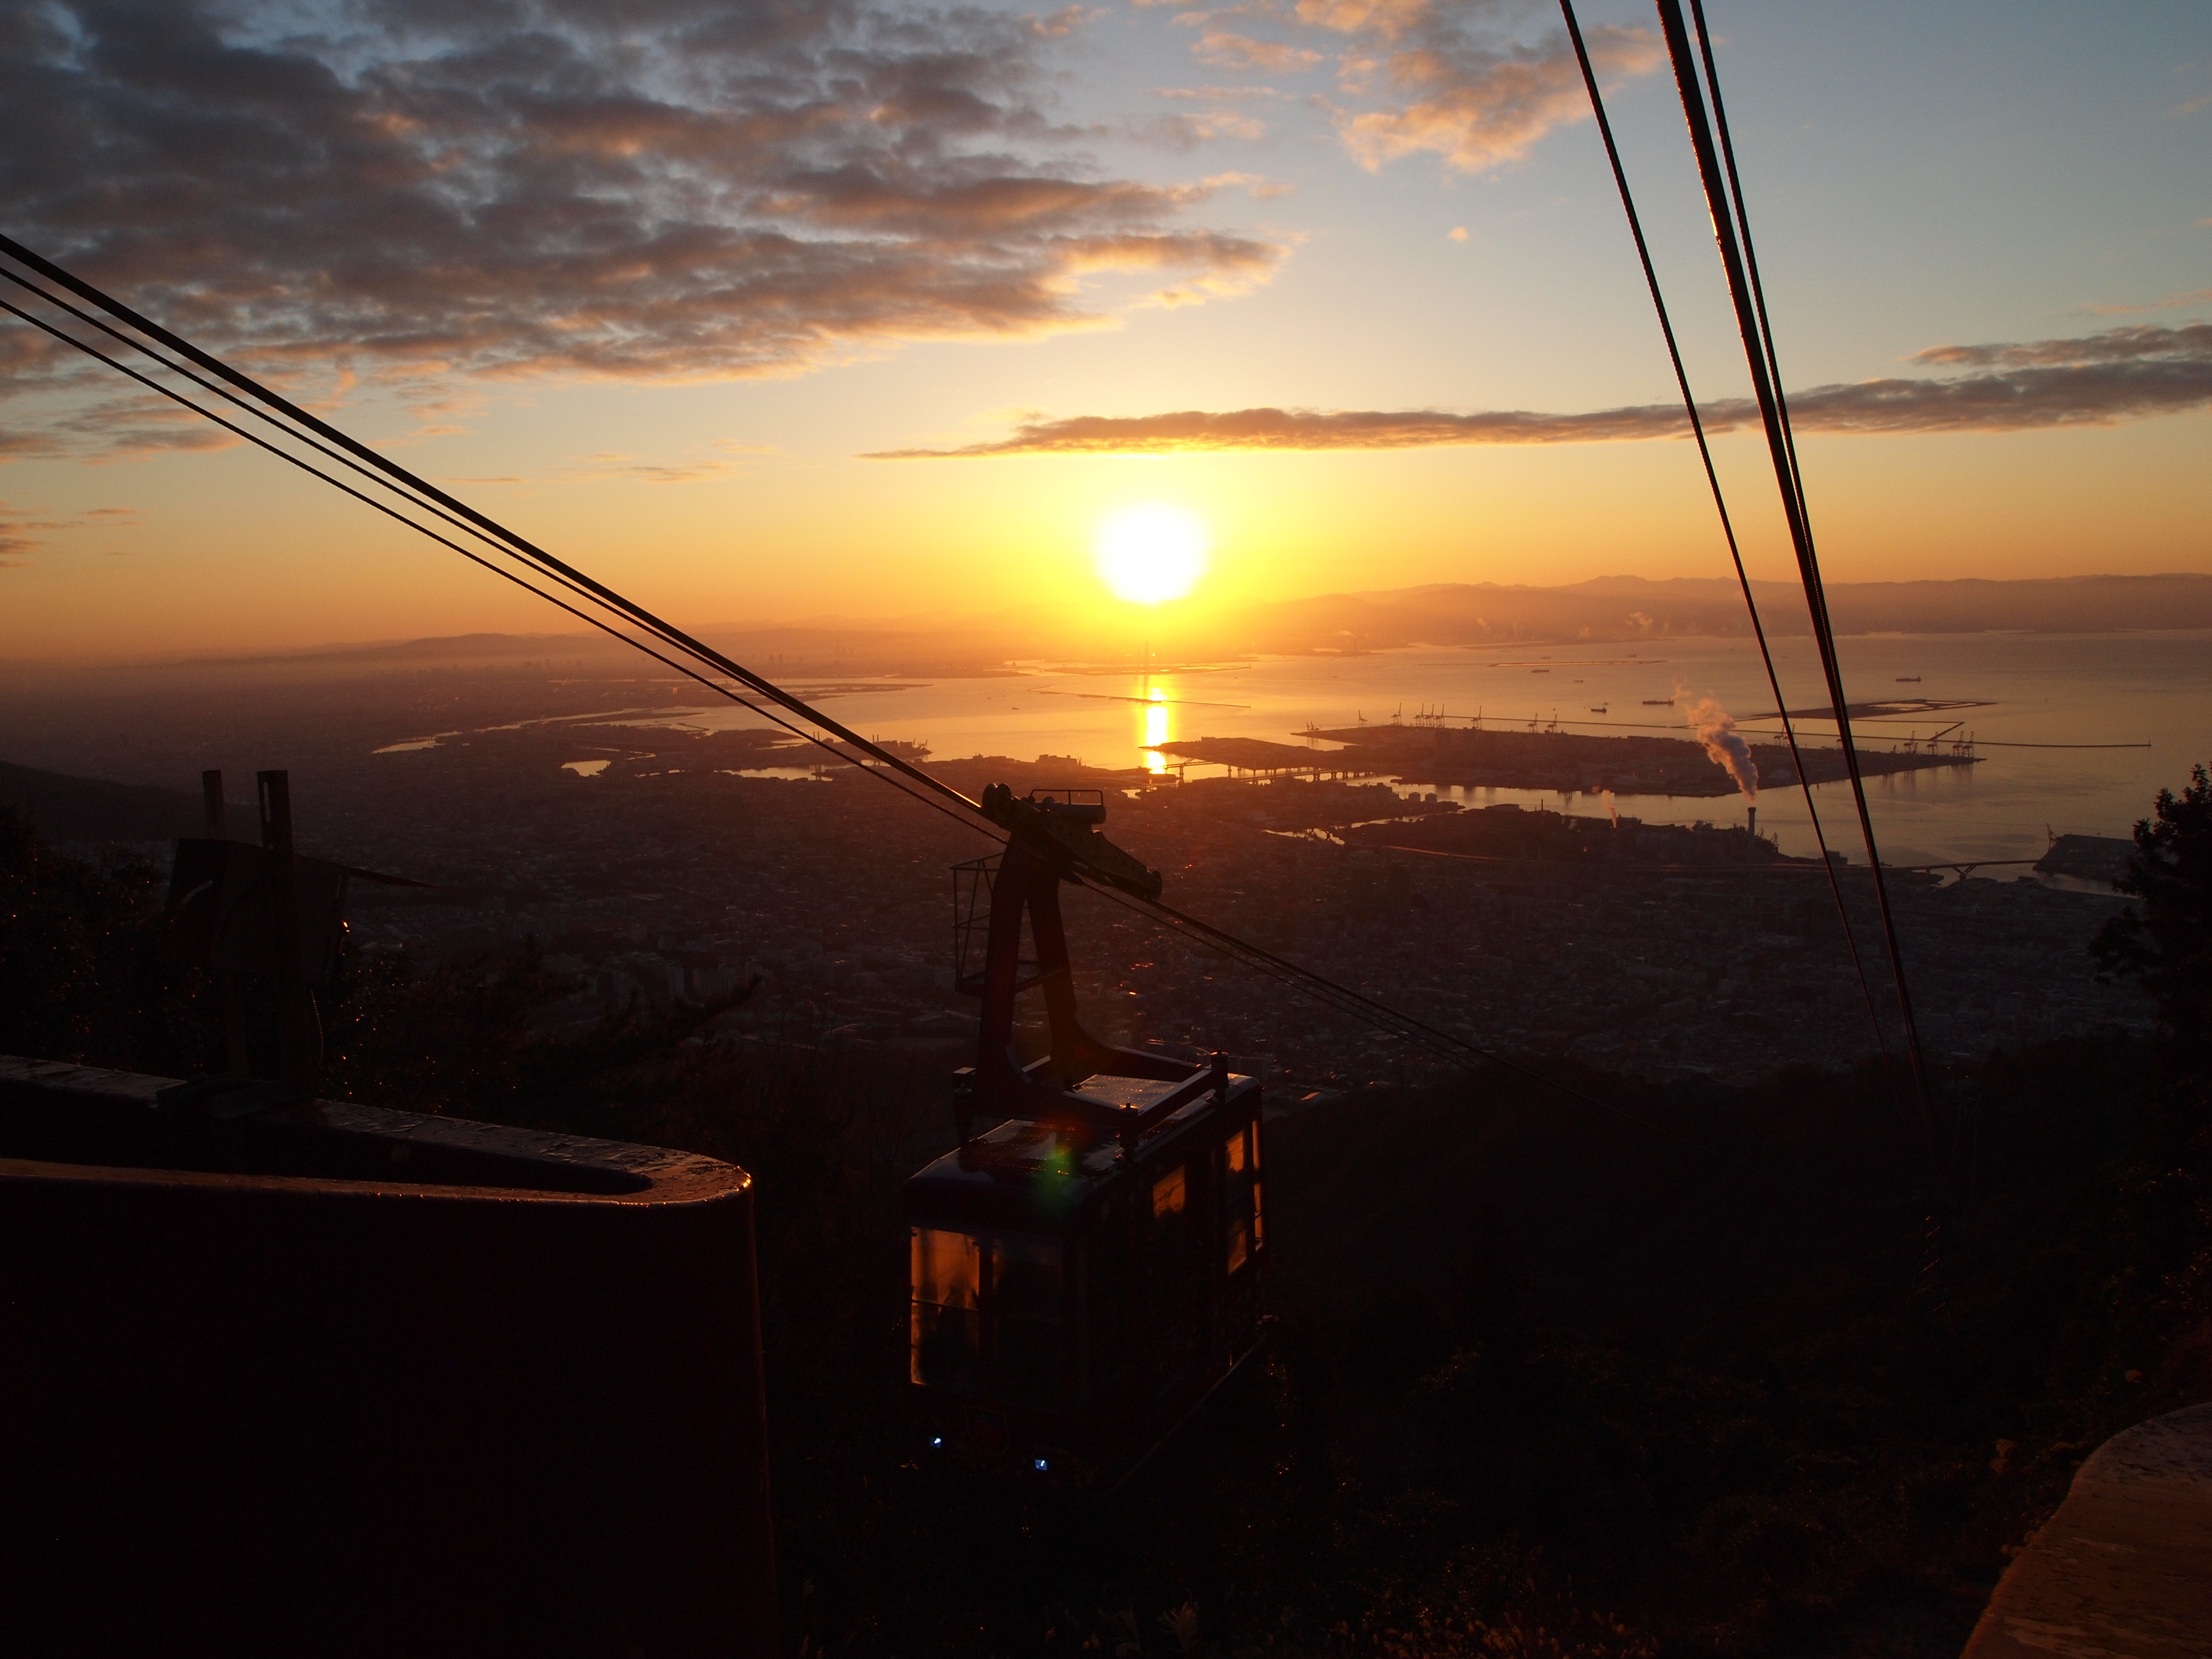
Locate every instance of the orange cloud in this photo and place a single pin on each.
(2125, 375)
(1483, 106)
(20, 533)
(1388, 18)
(1420, 76)
(2171, 303)
(1226, 50)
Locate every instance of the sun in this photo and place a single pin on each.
(1151, 551)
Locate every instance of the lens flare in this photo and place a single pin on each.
(1150, 552)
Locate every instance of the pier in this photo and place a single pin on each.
(1546, 759)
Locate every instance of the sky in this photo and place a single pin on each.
(877, 311)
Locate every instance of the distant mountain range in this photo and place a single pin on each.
(1628, 608)
(1607, 610)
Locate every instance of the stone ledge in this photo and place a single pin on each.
(2123, 1569)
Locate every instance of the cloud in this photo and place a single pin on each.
(614, 465)
(1253, 185)
(2138, 342)
(667, 189)
(1215, 94)
(2126, 373)
(1226, 50)
(1302, 429)
(2171, 303)
(1449, 79)
(21, 533)
(1188, 131)
(1390, 19)
(1482, 107)
(1065, 22)
(109, 430)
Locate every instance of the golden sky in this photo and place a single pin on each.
(873, 310)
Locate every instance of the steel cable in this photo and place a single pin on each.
(474, 558)
(1377, 1014)
(538, 556)
(1437, 1042)
(1774, 417)
(1727, 527)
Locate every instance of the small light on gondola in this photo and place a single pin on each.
(1041, 1466)
(937, 1440)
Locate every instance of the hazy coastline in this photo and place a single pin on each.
(1610, 611)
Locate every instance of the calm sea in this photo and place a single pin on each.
(2046, 708)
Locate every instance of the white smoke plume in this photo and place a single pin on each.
(1715, 729)
(1611, 810)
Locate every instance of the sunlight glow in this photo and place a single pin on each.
(1151, 551)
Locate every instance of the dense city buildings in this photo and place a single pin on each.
(650, 862)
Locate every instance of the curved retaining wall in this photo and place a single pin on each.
(2123, 1569)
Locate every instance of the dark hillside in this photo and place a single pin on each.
(68, 809)
(1752, 1370)
(1692, 1370)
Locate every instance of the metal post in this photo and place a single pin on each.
(299, 1034)
(237, 1044)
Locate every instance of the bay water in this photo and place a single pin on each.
(2073, 733)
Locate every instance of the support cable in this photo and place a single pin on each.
(1750, 253)
(1728, 527)
(424, 497)
(1377, 1014)
(537, 555)
(474, 558)
(1774, 417)
(310, 441)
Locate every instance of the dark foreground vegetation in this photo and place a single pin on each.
(1776, 1370)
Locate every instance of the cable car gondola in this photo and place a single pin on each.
(1087, 1269)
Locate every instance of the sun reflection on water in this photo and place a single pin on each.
(1157, 731)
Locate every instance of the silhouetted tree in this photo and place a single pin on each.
(2168, 941)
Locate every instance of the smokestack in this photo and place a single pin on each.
(1751, 821)
(1715, 729)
